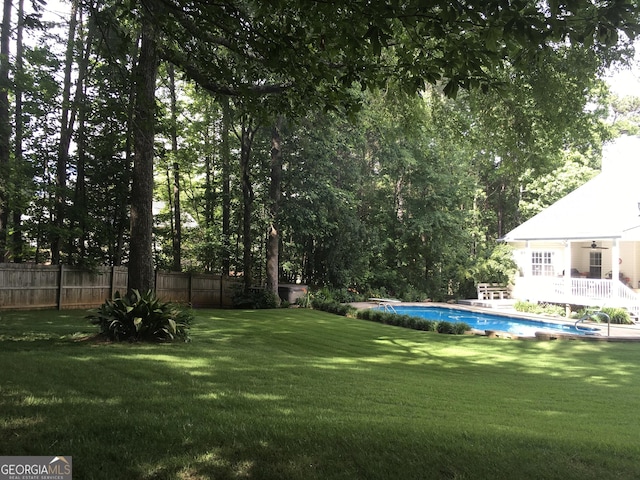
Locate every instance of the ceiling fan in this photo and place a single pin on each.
(594, 246)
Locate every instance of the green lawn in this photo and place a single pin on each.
(298, 394)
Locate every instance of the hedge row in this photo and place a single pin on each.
(415, 323)
(332, 306)
(388, 318)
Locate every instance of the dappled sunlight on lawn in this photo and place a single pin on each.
(577, 359)
(311, 395)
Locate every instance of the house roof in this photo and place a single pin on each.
(608, 206)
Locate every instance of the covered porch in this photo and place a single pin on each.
(592, 273)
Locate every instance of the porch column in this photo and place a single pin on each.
(527, 261)
(567, 276)
(615, 267)
(525, 289)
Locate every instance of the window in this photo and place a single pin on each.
(541, 265)
(595, 264)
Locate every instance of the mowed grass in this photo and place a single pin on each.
(299, 394)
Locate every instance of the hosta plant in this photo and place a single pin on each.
(141, 317)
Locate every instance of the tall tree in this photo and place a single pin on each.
(66, 133)
(177, 217)
(273, 230)
(225, 158)
(141, 268)
(78, 215)
(17, 240)
(5, 126)
(248, 129)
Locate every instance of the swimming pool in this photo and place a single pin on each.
(487, 321)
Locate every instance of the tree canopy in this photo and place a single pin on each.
(387, 143)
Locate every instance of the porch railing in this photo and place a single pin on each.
(590, 292)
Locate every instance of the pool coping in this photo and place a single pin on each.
(612, 333)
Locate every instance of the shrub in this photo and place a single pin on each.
(445, 327)
(415, 323)
(268, 300)
(141, 317)
(377, 316)
(616, 315)
(539, 308)
(332, 306)
(459, 328)
(306, 300)
(255, 299)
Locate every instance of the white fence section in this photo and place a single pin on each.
(590, 292)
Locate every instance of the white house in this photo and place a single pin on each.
(585, 248)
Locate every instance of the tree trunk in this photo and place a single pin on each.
(273, 235)
(225, 156)
(80, 105)
(66, 131)
(209, 188)
(121, 211)
(172, 231)
(246, 142)
(141, 271)
(5, 127)
(17, 241)
(209, 161)
(177, 222)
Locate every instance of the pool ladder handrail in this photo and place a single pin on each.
(387, 307)
(589, 314)
(385, 303)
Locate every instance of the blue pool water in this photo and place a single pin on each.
(486, 321)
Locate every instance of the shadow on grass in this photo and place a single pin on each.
(308, 395)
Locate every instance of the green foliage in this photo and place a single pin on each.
(141, 317)
(618, 316)
(401, 198)
(539, 308)
(626, 114)
(497, 267)
(306, 300)
(255, 299)
(415, 323)
(451, 327)
(341, 295)
(331, 306)
(542, 191)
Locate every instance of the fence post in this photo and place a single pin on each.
(112, 286)
(60, 286)
(155, 281)
(190, 280)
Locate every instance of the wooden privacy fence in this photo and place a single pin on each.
(35, 286)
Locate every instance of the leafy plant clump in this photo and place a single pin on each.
(537, 308)
(618, 316)
(142, 317)
(254, 300)
(306, 300)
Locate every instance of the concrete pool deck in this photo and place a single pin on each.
(613, 332)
